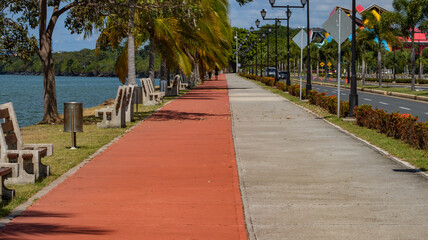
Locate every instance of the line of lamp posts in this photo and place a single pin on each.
(353, 97)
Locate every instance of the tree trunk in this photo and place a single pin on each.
(163, 70)
(412, 58)
(168, 75)
(132, 78)
(318, 70)
(363, 72)
(421, 66)
(379, 66)
(152, 60)
(50, 112)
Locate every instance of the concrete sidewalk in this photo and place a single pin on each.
(302, 178)
(174, 176)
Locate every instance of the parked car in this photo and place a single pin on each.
(282, 74)
(270, 72)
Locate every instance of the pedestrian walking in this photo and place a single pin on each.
(216, 73)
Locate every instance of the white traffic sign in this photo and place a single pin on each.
(339, 25)
(301, 39)
(332, 26)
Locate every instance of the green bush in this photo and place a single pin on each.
(396, 125)
(295, 91)
(281, 86)
(328, 102)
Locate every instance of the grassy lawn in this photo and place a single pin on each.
(63, 159)
(395, 147)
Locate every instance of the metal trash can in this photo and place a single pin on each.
(73, 120)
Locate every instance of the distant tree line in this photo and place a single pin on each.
(80, 63)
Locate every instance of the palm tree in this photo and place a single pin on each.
(409, 15)
(380, 31)
(365, 45)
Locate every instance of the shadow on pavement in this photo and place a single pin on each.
(167, 115)
(409, 170)
(19, 230)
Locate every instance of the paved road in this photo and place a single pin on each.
(389, 103)
(302, 178)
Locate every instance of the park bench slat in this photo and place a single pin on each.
(7, 126)
(4, 113)
(5, 171)
(11, 139)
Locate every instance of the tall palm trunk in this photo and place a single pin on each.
(132, 78)
(421, 66)
(412, 59)
(379, 64)
(363, 71)
(152, 60)
(163, 70)
(318, 68)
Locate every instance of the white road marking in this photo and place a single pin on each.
(384, 103)
(343, 94)
(367, 99)
(405, 108)
(426, 113)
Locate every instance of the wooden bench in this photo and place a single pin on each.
(6, 193)
(150, 97)
(114, 116)
(24, 159)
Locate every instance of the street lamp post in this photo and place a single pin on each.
(277, 25)
(308, 67)
(272, 3)
(259, 41)
(236, 40)
(269, 30)
(353, 97)
(261, 59)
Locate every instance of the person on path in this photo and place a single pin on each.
(216, 73)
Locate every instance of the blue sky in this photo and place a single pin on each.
(240, 17)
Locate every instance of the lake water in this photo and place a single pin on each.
(26, 93)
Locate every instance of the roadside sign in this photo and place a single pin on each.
(332, 26)
(322, 64)
(301, 39)
(329, 64)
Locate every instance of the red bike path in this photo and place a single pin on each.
(174, 176)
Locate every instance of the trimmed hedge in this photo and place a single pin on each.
(266, 80)
(295, 91)
(328, 102)
(396, 125)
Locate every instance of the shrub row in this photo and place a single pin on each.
(295, 91)
(266, 80)
(396, 125)
(328, 102)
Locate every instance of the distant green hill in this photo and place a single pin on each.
(80, 63)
